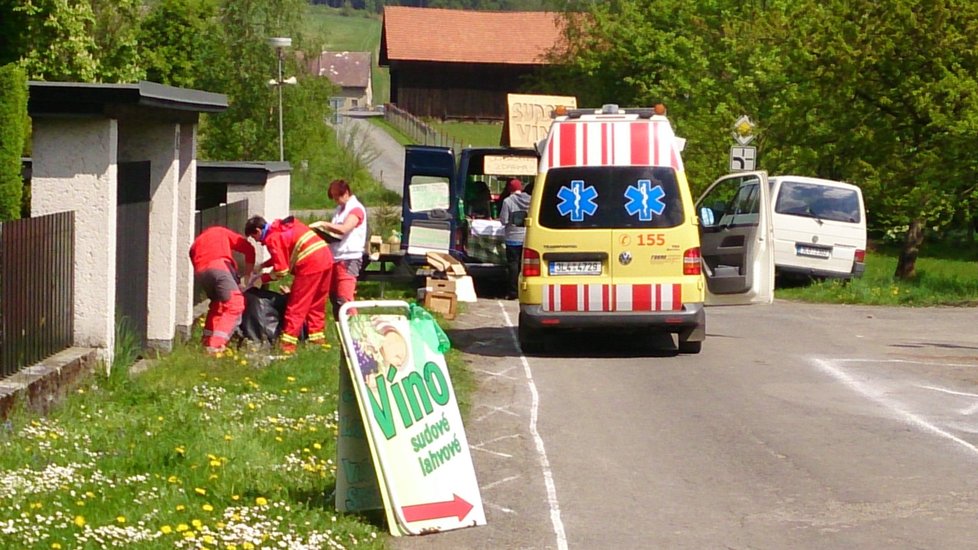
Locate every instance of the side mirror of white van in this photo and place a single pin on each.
(707, 218)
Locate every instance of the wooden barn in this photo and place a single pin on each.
(455, 64)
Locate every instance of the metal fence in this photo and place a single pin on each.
(233, 216)
(37, 257)
(418, 130)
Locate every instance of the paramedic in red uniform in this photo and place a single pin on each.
(350, 221)
(296, 249)
(217, 273)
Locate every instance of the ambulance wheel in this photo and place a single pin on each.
(685, 346)
(531, 341)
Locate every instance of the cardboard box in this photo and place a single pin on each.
(374, 247)
(442, 285)
(444, 303)
(445, 262)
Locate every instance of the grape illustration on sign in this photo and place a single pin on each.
(644, 200)
(577, 200)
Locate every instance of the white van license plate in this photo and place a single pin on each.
(575, 268)
(814, 252)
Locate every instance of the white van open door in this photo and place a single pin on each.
(737, 239)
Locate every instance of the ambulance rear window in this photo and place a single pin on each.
(611, 197)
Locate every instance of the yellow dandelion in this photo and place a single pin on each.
(291, 378)
(180, 450)
(159, 418)
(196, 523)
(166, 529)
(55, 545)
(200, 491)
(120, 519)
(89, 494)
(228, 437)
(251, 406)
(243, 362)
(303, 390)
(317, 446)
(248, 546)
(313, 429)
(181, 507)
(215, 463)
(81, 390)
(79, 503)
(279, 439)
(232, 546)
(261, 501)
(219, 525)
(235, 497)
(207, 508)
(172, 479)
(208, 539)
(182, 527)
(189, 535)
(80, 521)
(212, 477)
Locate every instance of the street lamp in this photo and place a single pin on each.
(280, 43)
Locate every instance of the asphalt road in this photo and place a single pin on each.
(798, 426)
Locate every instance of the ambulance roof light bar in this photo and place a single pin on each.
(610, 109)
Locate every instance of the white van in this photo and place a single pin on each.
(819, 227)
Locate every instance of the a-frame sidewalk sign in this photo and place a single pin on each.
(401, 438)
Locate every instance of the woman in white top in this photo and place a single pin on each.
(350, 221)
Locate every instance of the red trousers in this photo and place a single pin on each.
(307, 305)
(342, 287)
(227, 304)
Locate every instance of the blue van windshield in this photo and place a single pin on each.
(611, 197)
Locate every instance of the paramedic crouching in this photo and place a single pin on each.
(516, 201)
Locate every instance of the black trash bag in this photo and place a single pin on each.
(262, 320)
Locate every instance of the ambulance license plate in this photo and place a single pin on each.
(813, 251)
(575, 268)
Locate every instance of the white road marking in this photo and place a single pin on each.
(494, 410)
(500, 374)
(945, 390)
(548, 476)
(499, 482)
(867, 390)
(931, 363)
(498, 507)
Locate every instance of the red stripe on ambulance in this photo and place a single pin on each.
(612, 298)
(640, 144)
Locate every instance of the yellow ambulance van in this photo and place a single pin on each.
(613, 241)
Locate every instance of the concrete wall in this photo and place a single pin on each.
(271, 201)
(74, 168)
(186, 197)
(159, 143)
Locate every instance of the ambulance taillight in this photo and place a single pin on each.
(691, 261)
(531, 262)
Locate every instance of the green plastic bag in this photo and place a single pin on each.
(425, 333)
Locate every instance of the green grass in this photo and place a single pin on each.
(228, 450)
(471, 134)
(398, 135)
(358, 32)
(947, 274)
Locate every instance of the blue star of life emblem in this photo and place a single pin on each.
(577, 200)
(644, 200)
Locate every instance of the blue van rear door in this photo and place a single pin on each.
(428, 206)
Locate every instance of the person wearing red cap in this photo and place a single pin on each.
(516, 201)
(216, 270)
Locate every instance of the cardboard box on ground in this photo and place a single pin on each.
(449, 285)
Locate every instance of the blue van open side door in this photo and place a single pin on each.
(430, 201)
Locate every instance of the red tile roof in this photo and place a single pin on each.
(429, 34)
(345, 69)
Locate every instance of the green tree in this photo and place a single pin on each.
(58, 44)
(885, 91)
(13, 132)
(172, 39)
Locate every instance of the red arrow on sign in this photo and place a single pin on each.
(457, 507)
